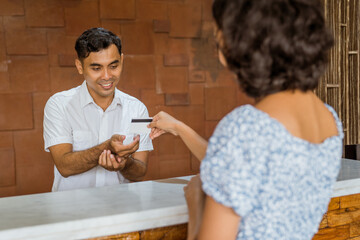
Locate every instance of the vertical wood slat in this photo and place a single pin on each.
(357, 20)
(345, 42)
(353, 68)
(354, 55)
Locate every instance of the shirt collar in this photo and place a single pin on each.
(117, 97)
(85, 97)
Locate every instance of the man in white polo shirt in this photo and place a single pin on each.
(86, 128)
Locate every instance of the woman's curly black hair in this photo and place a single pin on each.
(94, 40)
(273, 45)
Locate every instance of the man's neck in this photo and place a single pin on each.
(104, 102)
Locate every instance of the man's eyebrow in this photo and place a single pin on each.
(99, 65)
(95, 65)
(115, 61)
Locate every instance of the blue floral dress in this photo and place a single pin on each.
(279, 184)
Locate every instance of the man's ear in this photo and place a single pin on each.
(122, 60)
(79, 66)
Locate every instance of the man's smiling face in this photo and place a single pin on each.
(102, 72)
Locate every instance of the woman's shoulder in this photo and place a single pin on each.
(337, 120)
(242, 114)
(241, 119)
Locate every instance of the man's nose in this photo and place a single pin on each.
(106, 74)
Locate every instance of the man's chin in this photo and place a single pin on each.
(106, 93)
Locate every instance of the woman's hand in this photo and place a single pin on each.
(162, 123)
(195, 199)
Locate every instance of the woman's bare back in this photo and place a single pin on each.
(304, 115)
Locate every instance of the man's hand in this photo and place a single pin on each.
(124, 158)
(111, 163)
(116, 158)
(123, 151)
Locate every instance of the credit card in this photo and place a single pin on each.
(139, 125)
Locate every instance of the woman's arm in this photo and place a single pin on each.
(163, 122)
(218, 222)
(212, 221)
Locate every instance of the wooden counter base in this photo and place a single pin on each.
(176, 232)
(342, 220)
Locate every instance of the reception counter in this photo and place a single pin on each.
(342, 220)
(95, 212)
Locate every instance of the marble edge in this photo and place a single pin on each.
(346, 187)
(102, 226)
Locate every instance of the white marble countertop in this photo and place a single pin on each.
(348, 181)
(94, 212)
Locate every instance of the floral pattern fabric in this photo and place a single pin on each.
(279, 184)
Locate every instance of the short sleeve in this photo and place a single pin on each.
(228, 173)
(57, 129)
(145, 141)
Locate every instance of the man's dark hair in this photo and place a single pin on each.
(273, 45)
(94, 40)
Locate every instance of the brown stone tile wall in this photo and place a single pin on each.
(170, 64)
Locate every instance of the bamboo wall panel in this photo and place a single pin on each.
(340, 86)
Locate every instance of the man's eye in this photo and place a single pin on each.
(113, 66)
(96, 69)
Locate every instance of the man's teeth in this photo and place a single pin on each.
(106, 85)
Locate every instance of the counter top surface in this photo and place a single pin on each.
(348, 180)
(92, 212)
(350, 169)
(100, 211)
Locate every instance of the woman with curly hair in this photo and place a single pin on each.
(268, 170)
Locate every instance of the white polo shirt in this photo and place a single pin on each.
(73, 117)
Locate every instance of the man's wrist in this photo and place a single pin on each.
(107, 145)
(129, 161)
(130, 158)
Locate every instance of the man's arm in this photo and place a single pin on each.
(136, 166)
(70, 163)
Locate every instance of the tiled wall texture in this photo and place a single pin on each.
(170, 64)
